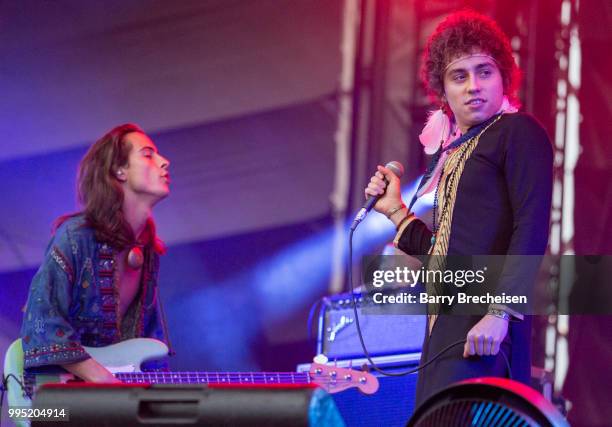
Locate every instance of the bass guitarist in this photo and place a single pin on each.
(97, 284)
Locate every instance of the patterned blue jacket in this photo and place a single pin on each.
(74, 300)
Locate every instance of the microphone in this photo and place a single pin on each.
(397, 168)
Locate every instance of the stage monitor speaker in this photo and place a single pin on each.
(106, 405)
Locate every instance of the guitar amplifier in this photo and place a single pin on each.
(383, 334)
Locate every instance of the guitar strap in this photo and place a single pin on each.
(162, 312)
(165, 324)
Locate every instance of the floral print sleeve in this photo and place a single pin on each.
(47, 335)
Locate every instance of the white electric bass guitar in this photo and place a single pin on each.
(125, 358)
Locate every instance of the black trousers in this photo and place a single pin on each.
(452, 366)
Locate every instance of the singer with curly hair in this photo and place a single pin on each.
(491, 175)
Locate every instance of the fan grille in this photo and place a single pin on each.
(474, 413)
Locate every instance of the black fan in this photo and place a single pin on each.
(487, 402)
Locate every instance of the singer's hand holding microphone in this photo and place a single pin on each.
(383, 193)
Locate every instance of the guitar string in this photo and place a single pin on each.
(232, 375)
(240, 380)
(212, 377)
(302, 378)
(258, 378)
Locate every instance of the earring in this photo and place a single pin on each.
(445, 107)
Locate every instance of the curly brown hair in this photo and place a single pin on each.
(463, 33)
(101, 195)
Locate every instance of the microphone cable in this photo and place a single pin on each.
(360, 335)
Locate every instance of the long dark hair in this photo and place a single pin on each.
(101, 195)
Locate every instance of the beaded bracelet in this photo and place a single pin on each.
(406, 218)
(401, 226)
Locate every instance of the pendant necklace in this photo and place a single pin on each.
(135, 257)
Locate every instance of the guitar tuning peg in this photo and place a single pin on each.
(335, 363)
(365, 367)
(350, 364)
